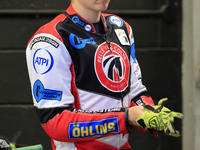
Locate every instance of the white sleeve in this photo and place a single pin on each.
(131, 37)
(49, 65)
(136, 86)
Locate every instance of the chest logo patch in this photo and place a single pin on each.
(78, 42)
(76, 19)
(112, 67)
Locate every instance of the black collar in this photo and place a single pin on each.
(81, 22)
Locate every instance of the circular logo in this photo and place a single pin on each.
(88, 27)
(42, 61)
(116, 20)
(112, 67)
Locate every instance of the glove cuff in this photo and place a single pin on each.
(142, 99)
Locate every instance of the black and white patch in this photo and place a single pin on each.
(122, 36)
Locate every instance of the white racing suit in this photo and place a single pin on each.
(83, 82)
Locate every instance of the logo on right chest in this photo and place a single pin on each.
(112, 67)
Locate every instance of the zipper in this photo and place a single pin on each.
(111, 50)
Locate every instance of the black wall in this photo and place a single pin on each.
(157, 29)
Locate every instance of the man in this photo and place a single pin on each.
(86, 82)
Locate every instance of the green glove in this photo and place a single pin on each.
(160, 118)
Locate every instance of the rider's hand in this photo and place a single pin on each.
(133, 113)
(159, 117)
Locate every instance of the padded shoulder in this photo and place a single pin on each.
(50, 27)
(114, 19)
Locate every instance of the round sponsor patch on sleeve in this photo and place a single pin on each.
(117, 21)
(42, 61)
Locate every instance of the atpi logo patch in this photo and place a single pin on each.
(42, 61)
(112, 67)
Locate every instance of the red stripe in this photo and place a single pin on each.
(128, 27)
(70, 10)
(74, 90)
(125, 146)
(53, 145)
(105, 14)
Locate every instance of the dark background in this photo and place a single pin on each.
(157, 29)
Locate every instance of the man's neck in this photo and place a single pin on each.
(90, 15)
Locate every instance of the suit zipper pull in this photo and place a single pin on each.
(108, 42)
(110, 47)
(111, 50)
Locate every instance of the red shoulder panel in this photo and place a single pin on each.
(105, 14)
(50, 27)
(128, 27)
